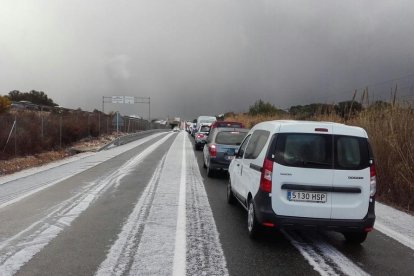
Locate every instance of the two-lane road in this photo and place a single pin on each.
(147, 208)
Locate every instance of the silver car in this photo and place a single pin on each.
(221, 147)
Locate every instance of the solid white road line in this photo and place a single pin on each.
(179, 263)
(155, 252)
(123, 250)
(177, 235)
(395, 224)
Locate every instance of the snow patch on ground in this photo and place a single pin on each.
(323, 257)
(18, 186)
(19, 249)
(395, 224)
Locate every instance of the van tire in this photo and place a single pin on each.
(355, 237)
(253, 226)
(230, 195)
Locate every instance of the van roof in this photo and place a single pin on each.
(311, 126)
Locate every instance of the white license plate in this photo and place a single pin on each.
(307, 196)
(230, 157)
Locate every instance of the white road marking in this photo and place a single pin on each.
(155, 252)
(19, 249)
(19, 186)
(179, 263)
(178, 235)
(122, 250)
(323, 257)
(395, 224)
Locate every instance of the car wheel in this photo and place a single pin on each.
(230, 195)
(204, 164)
(355, 237)
(252, 224)
(209, 171)
(195, 146)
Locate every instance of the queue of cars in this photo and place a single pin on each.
(297, 174)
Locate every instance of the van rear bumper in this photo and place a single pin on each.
(265, 214)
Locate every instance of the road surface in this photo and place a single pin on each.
(148, 208)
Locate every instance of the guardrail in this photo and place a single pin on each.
(131, 137)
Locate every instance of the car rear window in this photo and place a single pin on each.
(322, 151)
(204, 129)
(230, 137)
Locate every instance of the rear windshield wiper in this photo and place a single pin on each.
(316, 163)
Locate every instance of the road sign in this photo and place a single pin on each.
(129, 100)
(118, 99)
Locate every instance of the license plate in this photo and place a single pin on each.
(307, 196)
(230, 157)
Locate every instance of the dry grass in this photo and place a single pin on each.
(20, 163)
(391, 133)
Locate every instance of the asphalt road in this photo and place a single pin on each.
(148, 208)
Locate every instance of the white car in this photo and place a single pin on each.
(301, 174)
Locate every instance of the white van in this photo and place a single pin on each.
(302, 174)
(205, 120)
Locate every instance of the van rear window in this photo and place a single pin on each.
(322, 151)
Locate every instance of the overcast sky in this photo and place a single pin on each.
(204, 56)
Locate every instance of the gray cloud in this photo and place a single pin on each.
(206, 57)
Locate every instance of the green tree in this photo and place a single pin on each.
(262, 108)
(36, 97)
(346, 108)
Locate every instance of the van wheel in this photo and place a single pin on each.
(230, 195)
(252, 224)
(355, 237)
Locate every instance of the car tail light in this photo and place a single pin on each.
(266, 177)
(373, 180)
(212, 150)
(200, 135)
(268, 224)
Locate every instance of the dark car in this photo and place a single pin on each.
(200, 136)
(221, 147)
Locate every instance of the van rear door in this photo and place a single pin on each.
(351, 177)
(303, 172)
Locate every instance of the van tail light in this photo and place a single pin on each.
(266, 177)
(212, 150)
(373, 181)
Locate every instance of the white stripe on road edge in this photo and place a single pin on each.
(119, 256)
(19, 186)
(155, 251)
(323, 257)
(179, 235)
(395, 224)
(19, 249)
(179, 263)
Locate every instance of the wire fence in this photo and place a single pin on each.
(25, 132)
